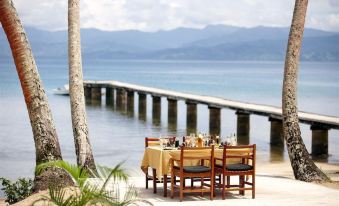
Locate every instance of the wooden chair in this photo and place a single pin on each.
(246, 167)
(152, 141)
(201, 171)
(218, 178)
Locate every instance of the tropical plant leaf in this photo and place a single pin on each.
(89, 192)
(57, 196)
(78, 174)
(107, 174)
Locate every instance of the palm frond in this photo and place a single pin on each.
(78, 174)
(57, 196)
(117, 174)
(89, 192)
(130, 198)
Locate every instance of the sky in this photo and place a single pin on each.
(154, 15)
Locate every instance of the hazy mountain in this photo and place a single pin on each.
(256, 34)
(215, 42)
(313, 49)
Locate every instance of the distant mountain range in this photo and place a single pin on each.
(215, 42)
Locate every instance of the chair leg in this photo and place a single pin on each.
(228, 181)
(173, 180)
(146, 180)
(165, 185)
(154, 180)
(253, 186)
(181, 188)
(217, 183)
(223, 186)
(202, 184)
(192, 181)
(212, 186)
(241, 185)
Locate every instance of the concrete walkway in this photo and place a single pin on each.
(270, 191)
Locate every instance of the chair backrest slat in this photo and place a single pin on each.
(197, 153)
(155, 140)
(240, 156)
(243, 152)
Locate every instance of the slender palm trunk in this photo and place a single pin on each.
(45, 137)
(83, 147)
(303, 166)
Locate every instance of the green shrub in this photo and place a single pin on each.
(18, 190)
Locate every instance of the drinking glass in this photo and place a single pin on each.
(162, 141)
(228, 140)
(187, 141)
(234, 141)
(165, 143)
(171, 142)
(206, 140)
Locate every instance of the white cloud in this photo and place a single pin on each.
(48, 15)
(152, 15)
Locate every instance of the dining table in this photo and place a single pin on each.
(158, 157)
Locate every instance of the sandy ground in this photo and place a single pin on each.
(275, 185)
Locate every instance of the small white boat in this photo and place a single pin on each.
(62, 90)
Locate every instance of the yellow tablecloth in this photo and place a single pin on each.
(159, 159)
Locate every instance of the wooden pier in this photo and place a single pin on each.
(320, 124)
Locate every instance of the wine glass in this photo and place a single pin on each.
(187, 141)
(165, 142)
(234, 140)
(162, 141)
(206, 139)
(228, 140)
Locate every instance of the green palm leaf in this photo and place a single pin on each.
(78, 174)
(115, 174)
(89, 192)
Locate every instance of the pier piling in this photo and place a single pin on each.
(156, 110)
(142, 107)
(319, 141)
(109, 96)
(214, 124)
(276, 132)
(172, 113)
(243, 127)
(191, 117)
(121, 99)
(96, 95)
(88, 93)
(276, 139)
(130, 102)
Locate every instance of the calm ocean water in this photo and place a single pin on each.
(116, 136)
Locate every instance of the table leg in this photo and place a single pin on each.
(165, 185)
(154, 180)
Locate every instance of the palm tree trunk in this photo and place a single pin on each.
(83, 147)
(45, 137)
(303, 166)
